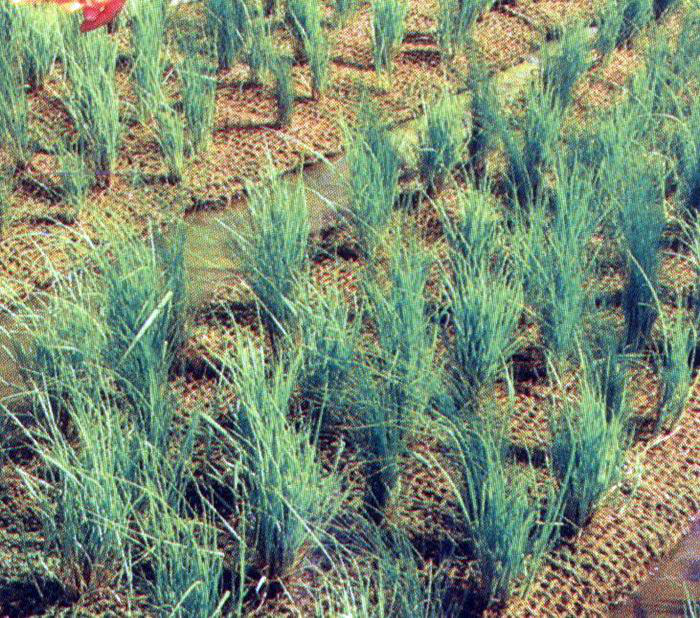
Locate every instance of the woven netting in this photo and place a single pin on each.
(612, 555)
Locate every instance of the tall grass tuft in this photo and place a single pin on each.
(563, 65)
(636, 14)
(148, 22)
(146, 313)
(382, 439)
(662, 7)
(509, 534)
(275, 247)
(610, 21)
(484, 108)
(228, 21)
(88, 520)
(588, 452)
(442, 140)
(76, 179)
(304, 19)
(66, 344)
(388, 29)
(689, 161)
(406, 337)
(284, 89)
(14, 112)
(93, 103)
(456, 20)
(198, 101)
(607, 373)
(558, 264)
(374, 164)
(5, 193)
(473, 235)
(292, 500)
(37, 34)
(394, 584)
(170, 136)
(676, 369)
(687, 52)
(344, 9)
(187, 565)
(484, 311)
(259, 47)
(528, 160)
(329, 340)
(642, 222)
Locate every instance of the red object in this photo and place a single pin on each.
(97, 15)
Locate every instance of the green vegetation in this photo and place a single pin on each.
(198, 101)
(676, 361)
(588, 451)
(442, 141)
(642, 223)
(276, 248)
(14, 113)
(284, 89)
(565, 63)
(170, 135)
(388, 29)
(456, 20)
(93, 103)
(374, 165)
(148, 24)
(399, 411)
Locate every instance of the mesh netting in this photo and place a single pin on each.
(607, 559)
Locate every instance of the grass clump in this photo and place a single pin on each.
(675, 361)
(148, 21)
(198, 102)
(388, 29)
(76, 179)
(509, 535)
(484, 108)
(67, 341)
(88, 521)
(588, 452)
(456, 20)
(229, 23)
(284, 89)
(38, 36)
(689, 162)
(259, 47)
(291, 498)
(374, 165)
(187, 565)
(304, 18)
(636, 14)
(563, 64)
(170, 136)
(344, 9)
(14, 113)
(146, 313)
(642, 221)
(558, 263)
(530, 158)
(484, 311)
(473, 234)
(275, 247)
(406, 337)
(442, 141)
(329, 340)
(93, 103)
